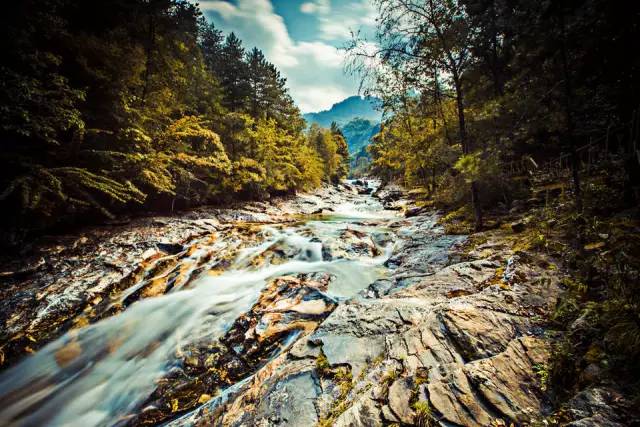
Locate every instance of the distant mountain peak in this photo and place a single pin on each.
(346, 110)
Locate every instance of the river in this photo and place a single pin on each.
(100, 374)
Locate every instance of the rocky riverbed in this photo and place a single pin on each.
(347, 307)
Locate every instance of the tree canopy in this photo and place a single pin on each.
(117, 105)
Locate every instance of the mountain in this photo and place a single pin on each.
(358, 133)
(347, 110)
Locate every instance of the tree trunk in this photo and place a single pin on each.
(475, 199)
(568, 97)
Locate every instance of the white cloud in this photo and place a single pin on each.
(314, 70)
(257, 25)
(353, 16)
(321, 7)
(319, 98)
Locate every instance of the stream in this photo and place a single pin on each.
(100, 374)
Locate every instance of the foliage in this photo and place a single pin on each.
(119, 106)
(472, 88)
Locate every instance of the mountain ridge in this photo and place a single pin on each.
(347, 110)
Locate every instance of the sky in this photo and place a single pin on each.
(302, 38)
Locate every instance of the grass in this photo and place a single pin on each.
(343, 379)
(424, 415)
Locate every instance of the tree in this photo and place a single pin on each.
(234, 75)
(211, 44)
(114, 106)
(342, 150)
(424, 46)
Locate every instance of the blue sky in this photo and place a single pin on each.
(301, 37)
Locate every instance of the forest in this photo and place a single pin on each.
(496, 107)
(123, 106)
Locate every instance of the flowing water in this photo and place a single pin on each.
(97, 375)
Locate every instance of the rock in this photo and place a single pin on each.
(170, 248)
(414, 211)
(518, 226)
(591, 374)
(290, 402)
(363, 413)
(388, 415)
(508, 380)
(453, 397)
(289, 307)
(597, 406)
(400, 394)
(434, 329)
(354, 334)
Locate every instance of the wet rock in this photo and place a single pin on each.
(465, 339)
(389, 193)
(456, 337)
(414, 211)
(288, 308)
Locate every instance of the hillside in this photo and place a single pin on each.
(345, 111)
(358, 133)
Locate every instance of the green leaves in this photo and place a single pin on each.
(469, 165)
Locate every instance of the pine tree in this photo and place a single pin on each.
(234, 75)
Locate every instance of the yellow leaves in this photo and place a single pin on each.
(204, 398)
(160, 179)
(594, 246)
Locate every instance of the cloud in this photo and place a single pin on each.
(314, 69)
(257, 24)
(321, 7)
(353, 16)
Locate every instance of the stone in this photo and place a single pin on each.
(400, 394)
(596, 406)
(508, 380)
(291, 402)
(363, 413)
(591, 374)
(388, 415)
(518, 226)
(414, 211)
